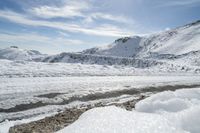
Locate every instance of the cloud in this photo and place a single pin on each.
(46, 44)
(119, 19)
(63, 34)
(77, 8)
(37, 39)
(70, 9)
(179, 2)
(101, 30)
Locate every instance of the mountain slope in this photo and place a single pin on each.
(14, 53)
(173, 42)
(123, 47)
(100, 60)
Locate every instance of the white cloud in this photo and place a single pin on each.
(44, 44)
(77, 8)
(37, 39)
(119, 19)
(70, 9)
(178, 2)
(101, 30)
(63, 34)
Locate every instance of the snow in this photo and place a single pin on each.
(124, 47)
(14, 90)
(181, 108)
(15, 53)
(165, 112)
(14, 69)
(172, 51)
(170, 101)
(39, 69)
(177, 47)
(186, 40)
(116, 120)
(162, 59)
(176, 42)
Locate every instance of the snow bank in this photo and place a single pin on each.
(165, 112)
(181, 107)
(169, 101)
(117, 120)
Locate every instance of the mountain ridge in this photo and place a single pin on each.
(163, 43)
(175, 49)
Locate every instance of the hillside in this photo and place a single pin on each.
(15, 53)
(177, 41)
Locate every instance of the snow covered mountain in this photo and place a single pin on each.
(173, 50)
(178, 41)
(15, 53)
(122, 47)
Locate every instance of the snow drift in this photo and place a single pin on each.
(165, 112)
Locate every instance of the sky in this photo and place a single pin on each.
(54, 26)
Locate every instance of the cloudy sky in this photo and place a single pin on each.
(53, 26)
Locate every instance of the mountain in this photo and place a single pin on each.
(15, 53)
(123, 47)
(173, 42)
(173, 50)
(170, 51)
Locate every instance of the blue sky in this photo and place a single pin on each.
(54, 26)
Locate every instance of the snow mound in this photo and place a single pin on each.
(117, 120)
(169, 101)
(165, 112)
(181, 107)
